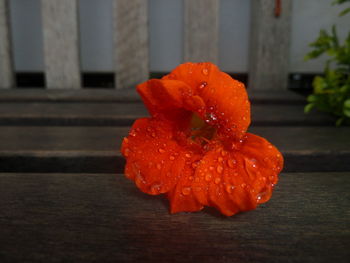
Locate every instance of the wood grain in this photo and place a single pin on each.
(96, 149)
(6, 59)
(104, 218)
(114, 114)
(201, 30)
(131, 42)
(129, 95)
(269, 45)
(61, 44)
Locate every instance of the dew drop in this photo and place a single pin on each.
(126, 152)
(211, 168)
(243, 185)
(231, 163)
(208, 177)
(223, 153)
(229, 188)
(159, 166)
(190, 178)
(172, 158)
(219, 169)
(217, 180)
(205, 71)
(194, 165)
(155, 189)
(186, 190)
(161, 150)
(126, 140)
(153, 134)
(132, 133)
(188, 155)
(220, 159)
(202, 85)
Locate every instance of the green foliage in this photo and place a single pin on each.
(332, 91)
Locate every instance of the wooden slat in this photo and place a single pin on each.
(6, 59)
(131, 42)
(61, 43)
(96, 149)
(269, 45)
(129, 95)
(201, 30)
(104, 218)
(103, 113)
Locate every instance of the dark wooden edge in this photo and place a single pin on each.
(114, 163)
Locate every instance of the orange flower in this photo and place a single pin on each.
(195, 149)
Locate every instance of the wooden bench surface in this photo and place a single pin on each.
(121, 114)
(126, 95)
(96, 149)
(104, 218)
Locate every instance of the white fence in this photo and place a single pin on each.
(269, 37)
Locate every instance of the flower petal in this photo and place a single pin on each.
(154, 159)
(226, 100)
(239, 180)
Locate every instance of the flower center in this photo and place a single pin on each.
(201, 132)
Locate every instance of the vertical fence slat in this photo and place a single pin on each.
(61, 43)
(269, 45)
(131, 42)
(201, 30)
(6, 62)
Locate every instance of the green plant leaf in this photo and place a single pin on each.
(346, 108)
(308, 107)
(344, 12)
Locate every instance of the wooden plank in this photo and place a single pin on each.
(104, 218)
(7, 79)
(129, 95)
(201, 30)
(131, 42)
(112, 114)
(269, 45)
(96, 149)
(61, 43)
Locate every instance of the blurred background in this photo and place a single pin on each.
(166, 38)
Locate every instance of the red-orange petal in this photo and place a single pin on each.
(226, 100)
(234, 181)
(154, 159)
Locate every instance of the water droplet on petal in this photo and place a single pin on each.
(161, 150)
(217, 180)
(219, 169)
(132, 133)
(186, 190)
(231, 163)
(126, 140)
(153, 134)
(208, 177)
(126, 152)
(220, 159)
(172, 158)
(205, 71)
(155, 189)
(188, 155)
(211, 168)
(159, 166)
(202, 85)
(243, 185)
(229, 188)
